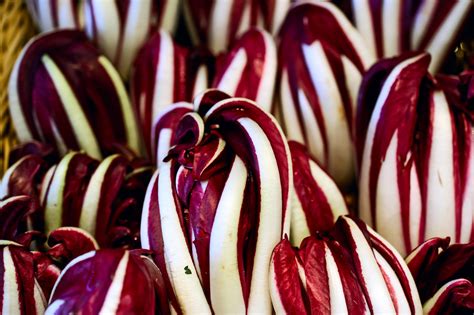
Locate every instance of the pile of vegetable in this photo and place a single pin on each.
(246, 156)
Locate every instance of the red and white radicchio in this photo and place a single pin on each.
(249, 68)
(321, 58)
(55, 14)
(64, 93)
(393, 27)
(179, 74)
(164, 73)
(218, 206)
(120, 28)
(26, 277)
(20, 292)
(416, 155)
(102, 198)
(444, 276)
(216, 23)
(350, 270)
(109, 281)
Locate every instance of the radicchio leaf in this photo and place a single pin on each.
(316, 202)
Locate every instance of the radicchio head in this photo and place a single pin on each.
(120, 28)
(218, 206)
(102, 198)
(322, 58)
(218, 23)
(249, 68)
(444, 276)
(110, 282)
(415, 153)
(21, 293)
(349, 270)
(392, 27)
(164, 73)
(64, 93)
(55, 14)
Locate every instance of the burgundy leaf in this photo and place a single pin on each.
(13, 214)
(317, 201)
(68, 243)
(286, 287)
